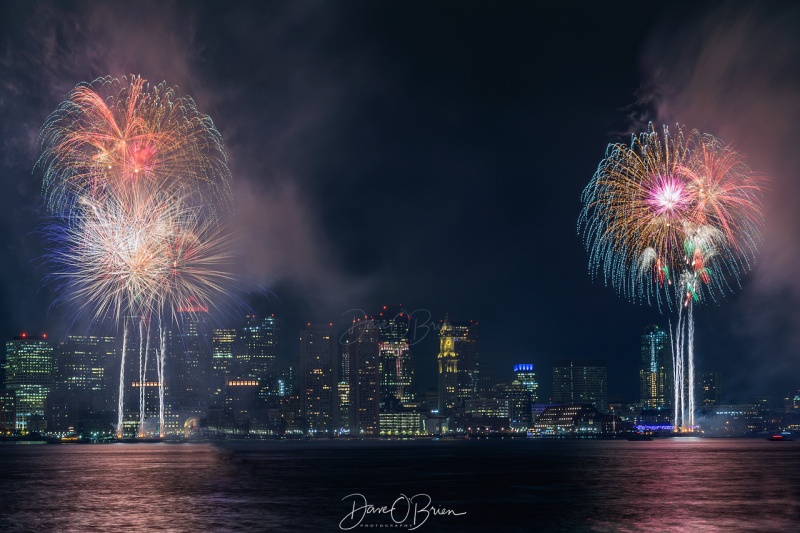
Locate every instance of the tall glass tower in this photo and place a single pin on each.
(260, 338)
(655, 371)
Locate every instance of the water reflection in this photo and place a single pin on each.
(664, 485)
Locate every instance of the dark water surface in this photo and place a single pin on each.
(664, 485)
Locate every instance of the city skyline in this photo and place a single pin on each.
(231, 350)
(629, 388)
(335, 215)
(302, 264)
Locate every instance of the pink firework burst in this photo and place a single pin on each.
(667, 195)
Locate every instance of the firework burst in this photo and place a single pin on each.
(135, 179)
(112, 136)
(668, 203)
(673, 218)
(137, 257)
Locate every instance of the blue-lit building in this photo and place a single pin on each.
(525, 374)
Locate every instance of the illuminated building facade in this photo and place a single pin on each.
(8, 412)
(578, 381)
(29, 373)
(576, 421)
(466, 348)
(396, 363)
(81, 385)
(448, 368)
(362, 351)
(319, 376)
(655, 371)
(403, 423)
(261, 340)
(223, 342)
(487, 407)
(712, 391)
(81, 362)
(343, 390)
(241, 399)
(525, 374)
(519, 404)
(458, 364)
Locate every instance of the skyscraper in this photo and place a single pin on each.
(260, 338)
(466, 347)
(319, 373)
(519, 403)
(448, 368)
(655, 372)
(396, 363)
(190, 360)
(80, 389)
(580, 381)
(458, 364)
(223, 341)
(29, 373)
(8, 412)
(526, 375)
(712, 391)
(362, 351)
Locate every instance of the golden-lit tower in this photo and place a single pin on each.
(448, 367)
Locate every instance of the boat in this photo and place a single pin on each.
(780, 436)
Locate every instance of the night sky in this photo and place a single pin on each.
(433, 154)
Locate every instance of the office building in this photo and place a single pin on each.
(81, 393)
(8, 412)
(223, 349)
(519, 404)
(319, 366)
(396, 363)
(655, 370)
(577, 381)
(458, 364)
(403, 423)
(579, 420)
(189, 364)
(712, 391)
(466, 348)
(525, 374)
(361, 349)
(29, 373)
(259, 359)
